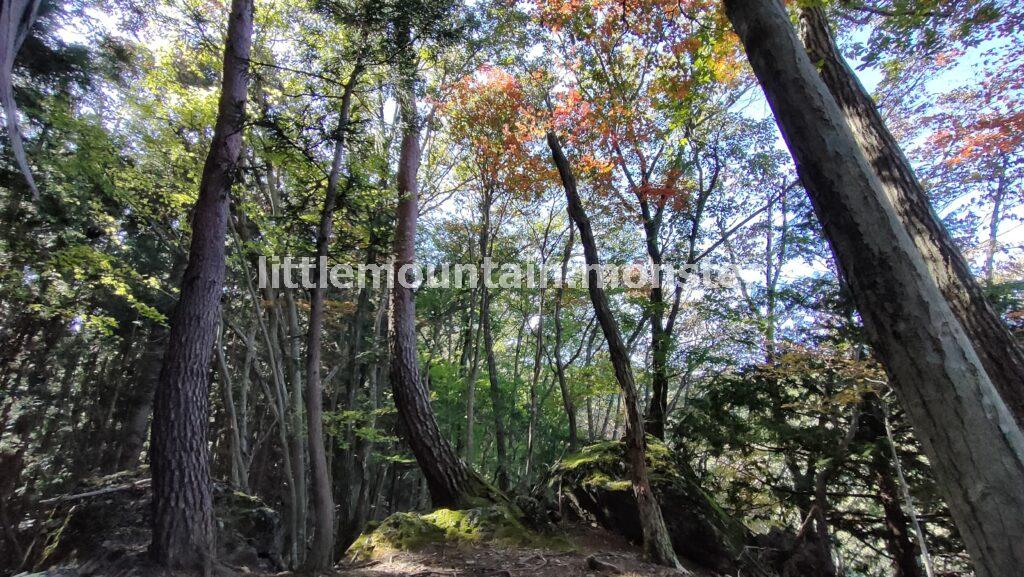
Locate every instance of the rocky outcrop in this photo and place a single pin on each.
(594, 484)
(107, 526)
(492, 524)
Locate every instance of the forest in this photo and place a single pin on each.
(493, 288)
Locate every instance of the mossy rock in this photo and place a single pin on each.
(249, 532)
(491, 524)
(595, 482)
(105, 528)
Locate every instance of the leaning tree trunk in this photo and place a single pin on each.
(657, 544)
(16, 20)
(183, 530)
(1000, 354)
(968, 432)
(451, 482)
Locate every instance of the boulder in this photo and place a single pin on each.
(108, 525)
(491, 524)
(594, 483)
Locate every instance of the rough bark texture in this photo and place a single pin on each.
(967, 430)
(1001, 355)
(450, 481)
(183, 530)
(657, 544)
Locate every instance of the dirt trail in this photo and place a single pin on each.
(596, 552)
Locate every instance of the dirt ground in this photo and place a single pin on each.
(597, 552)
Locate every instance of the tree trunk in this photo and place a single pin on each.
(970, 435)
(660, 338)
(451, 482)
(16, 20)
(531, 429)
(239, 471)
(657, 545)
(563, 386)
(474, 373)
(993, 229)
(147, 376)
(1000, 354)
(501, 473)
(321, 554)
(183, 529)
(291, 334)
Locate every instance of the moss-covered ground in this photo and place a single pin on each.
(492, 524)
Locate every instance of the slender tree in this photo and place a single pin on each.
(321, 555)
(657, 544)
(183, 527)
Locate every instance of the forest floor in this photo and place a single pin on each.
(595, 552)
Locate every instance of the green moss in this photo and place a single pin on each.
(55, 540)
(493, 524)
(598, 479)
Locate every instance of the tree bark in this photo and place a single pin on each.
(967, 430)
(501, 474)
(531, 430)
(16, 20)
(657, 545)
(451, 482)
(183, 528)
(563, 385)
(1000, 354)
(321, 554)
(474, 373)
(239, 470)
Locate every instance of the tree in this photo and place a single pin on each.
(451, 482)
(1000, 353)
(924, 348)
(16, 20)
(322, 553)
(183, 524)
(657, 544)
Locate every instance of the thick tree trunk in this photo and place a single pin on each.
(183, 528)
(1000, 354)
(657, 545)
(968, 432)
(451, 482)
